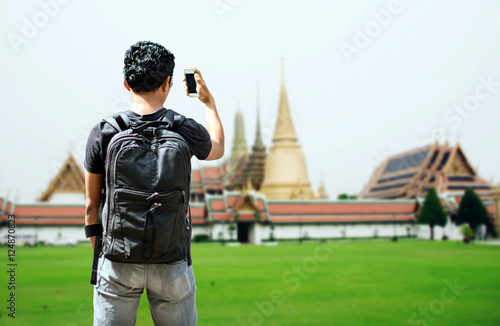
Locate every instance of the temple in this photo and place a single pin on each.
(258, 196)
(411, 174)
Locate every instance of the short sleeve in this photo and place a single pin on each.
(92, 162)
(197, 137)
(97, 144)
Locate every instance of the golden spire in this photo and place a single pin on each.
(285, 175)
(284, 130)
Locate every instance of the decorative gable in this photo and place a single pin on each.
(246, 204)
(69, 179)
(458, 164)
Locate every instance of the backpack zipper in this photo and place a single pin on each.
(108, 176)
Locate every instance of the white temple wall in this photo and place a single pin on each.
(340, 231)
(259, 232)
(451, 230)
(48, 233)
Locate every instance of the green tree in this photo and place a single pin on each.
(472, 210)
(346, 196)
(432, 212)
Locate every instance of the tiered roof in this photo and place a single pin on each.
(237, 206)
(342, 211)
(207, 180)
(212, 179)
(250, 206)
(6, 206)
(47, 214)
(197, 191)
(411, 174)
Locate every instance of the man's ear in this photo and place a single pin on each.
(126, 85)
(166, 83)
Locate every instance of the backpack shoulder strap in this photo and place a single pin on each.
(119, 121)
(174, 119)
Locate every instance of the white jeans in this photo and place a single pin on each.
(170, 291)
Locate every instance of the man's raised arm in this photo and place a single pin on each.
(214, 125)
(214, 128)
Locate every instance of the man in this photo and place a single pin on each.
(148, 70)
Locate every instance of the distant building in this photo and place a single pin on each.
(68, 186)
(411, 174)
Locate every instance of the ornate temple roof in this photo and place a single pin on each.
(410, 174)
(69, 179)
(212, 179)
(250, 206)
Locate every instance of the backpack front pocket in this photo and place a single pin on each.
(145, 226)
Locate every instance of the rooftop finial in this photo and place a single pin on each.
(282, 71)
(284, 130)
(258, 136)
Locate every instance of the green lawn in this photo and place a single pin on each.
(410, 282)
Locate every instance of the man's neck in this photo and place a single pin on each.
(146, 103)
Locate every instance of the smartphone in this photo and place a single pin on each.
(190, 82)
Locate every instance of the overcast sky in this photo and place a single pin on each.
(365, 79)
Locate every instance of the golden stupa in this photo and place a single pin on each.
(285, 174)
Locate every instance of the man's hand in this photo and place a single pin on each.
(204, 94)
(214, 126)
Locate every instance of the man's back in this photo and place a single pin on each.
(145, 201)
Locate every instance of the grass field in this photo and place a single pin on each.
(410, 282)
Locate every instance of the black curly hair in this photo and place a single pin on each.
(147, 65)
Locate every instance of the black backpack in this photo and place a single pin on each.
(148, 174)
